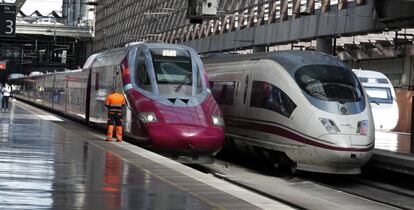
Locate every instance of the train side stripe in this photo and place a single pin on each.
(275, 129)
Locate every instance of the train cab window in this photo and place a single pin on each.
(267, 96)
(173, 70)
(141, 77)
(223, 92)
(329, 83)
(172, 66)
(379, 95)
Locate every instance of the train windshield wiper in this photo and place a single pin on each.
(178, 88)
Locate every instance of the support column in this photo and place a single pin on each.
(412, 126)
(406, 79)
(324, 45)
(257, 49)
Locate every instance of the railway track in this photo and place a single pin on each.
(382, 187)
(374, 189)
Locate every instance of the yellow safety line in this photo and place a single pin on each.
(120, 157)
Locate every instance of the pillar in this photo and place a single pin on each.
(324, 45)
(261, 48)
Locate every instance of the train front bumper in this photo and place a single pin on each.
(345, 155)
(187, 138)
(336, 154)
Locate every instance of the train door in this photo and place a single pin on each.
(103, 79)
(227, 89)
(245, 89)
(94, 87)
(127, 109)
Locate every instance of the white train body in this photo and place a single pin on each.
(266, 110)
(382, 97)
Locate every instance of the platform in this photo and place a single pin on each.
(47, 162)
(392, 152)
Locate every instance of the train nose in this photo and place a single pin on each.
(187, 138)
(346, 149)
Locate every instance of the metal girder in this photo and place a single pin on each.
(263, 22)
(323, 24)
(19, 4)
(58, 30)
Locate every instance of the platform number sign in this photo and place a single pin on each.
(7, 20)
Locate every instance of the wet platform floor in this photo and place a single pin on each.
(393, 142)
(50, 163)
(393, 152)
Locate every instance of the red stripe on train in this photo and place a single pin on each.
(280, 131)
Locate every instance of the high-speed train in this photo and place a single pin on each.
(382, 97)
(169, 104)
(298, 108)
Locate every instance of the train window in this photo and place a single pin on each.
(363, 79)
(173, 70)
(141, 77)
(223, 92)
(382, 81)
(97, 81)
(379, 95)
(267, 96)
(329, 83)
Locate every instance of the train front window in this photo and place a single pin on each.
(173, 70)
(329, 83)
(379, 95)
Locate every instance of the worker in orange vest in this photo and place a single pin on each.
(115, 103)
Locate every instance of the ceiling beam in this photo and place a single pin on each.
(19, 4)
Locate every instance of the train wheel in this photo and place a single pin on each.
(281, 161)
(287, 164)
(293, 169)
(229, 144)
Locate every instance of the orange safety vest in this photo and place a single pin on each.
(115, 102)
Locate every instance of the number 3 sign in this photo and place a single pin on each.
(7, 20)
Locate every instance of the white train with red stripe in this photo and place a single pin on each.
(304, 107)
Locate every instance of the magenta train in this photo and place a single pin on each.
(169, 104)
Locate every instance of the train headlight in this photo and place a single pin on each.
(329, 125)
(147, 117)
(362, 127)
(217, 120)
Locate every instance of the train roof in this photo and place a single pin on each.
(49, 74)
(166, 45)
(115, 56)
(291, 60)
(149, 45)
(369, 73)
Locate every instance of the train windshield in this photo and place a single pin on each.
(172, 70)
(329, 83)
(379, 95)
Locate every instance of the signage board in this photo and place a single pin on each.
(7, 20)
